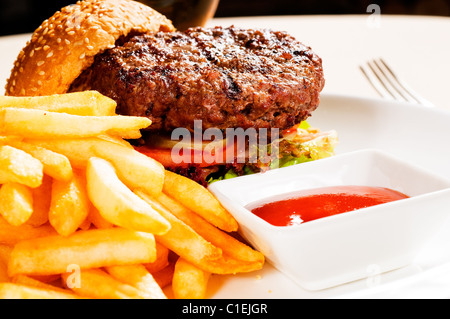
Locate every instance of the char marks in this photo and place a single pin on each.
(226, 77)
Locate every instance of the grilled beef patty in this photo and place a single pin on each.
(226, 77)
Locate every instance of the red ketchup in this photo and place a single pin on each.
(312, 204)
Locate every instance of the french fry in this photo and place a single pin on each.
(227, 265)
(16, 166)
(42, 196)
(164, 276)
(55, 165)
(117, 203)
(89, 103)
(199, 200)
(139, 277)
(136, 170)
(4, 272)
(86, 249)
(86, 224)
(8, 139)
(181, 238)
(11, 235)
(19, 291)
(95, 283)
(162, 259)
(16, 203)
(183, 242)
(97, 220)
(77, 150)
(5, 251)
(229, 245)
(45, 278)
(29, 281)
(115, 140)
(69, 205)
(189, 282)
(44, 124)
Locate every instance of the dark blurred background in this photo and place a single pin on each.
(22, 16)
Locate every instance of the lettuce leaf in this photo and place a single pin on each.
(300, 144)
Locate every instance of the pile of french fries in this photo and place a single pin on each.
(84, 215)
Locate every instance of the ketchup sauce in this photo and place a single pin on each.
(312, 204)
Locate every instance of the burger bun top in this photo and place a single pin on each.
(67, 43)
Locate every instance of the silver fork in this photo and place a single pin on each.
(389, 85)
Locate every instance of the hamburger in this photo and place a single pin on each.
(264, 84)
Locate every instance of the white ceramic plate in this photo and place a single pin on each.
(416, 134)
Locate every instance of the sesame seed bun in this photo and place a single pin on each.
(66, 44)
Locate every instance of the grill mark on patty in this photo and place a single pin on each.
(226, 77)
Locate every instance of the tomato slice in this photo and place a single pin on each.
(185, 157)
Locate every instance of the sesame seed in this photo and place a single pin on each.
(58, 40)
(22, 92)
(21, 70)
(82, 56)
(14, 82)
(39, 83)
(46, 47)
(86, 40)
(31, 53)
(41, 73)
(33, 89)
(50, 54)
(67, 41)
(40, 63)
(37, 49)
(90, 47)
(71, 33)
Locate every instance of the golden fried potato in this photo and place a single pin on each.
(16, 203)
(138, 277)
(42, 197)
(34, 124)
(16, 166)
(229, 245)
(88, 103)
(55, 165)
(189, 282)
(19, 291)
(181, 238)
(118, 204)
(69, 205)
(95, 283)
(199, 200)
(86, 249)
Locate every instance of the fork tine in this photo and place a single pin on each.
(383, 92)
(380, 76)
(417, 98)
(392, 81)
(388, 84)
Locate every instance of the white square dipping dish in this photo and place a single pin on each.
(342, 248)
